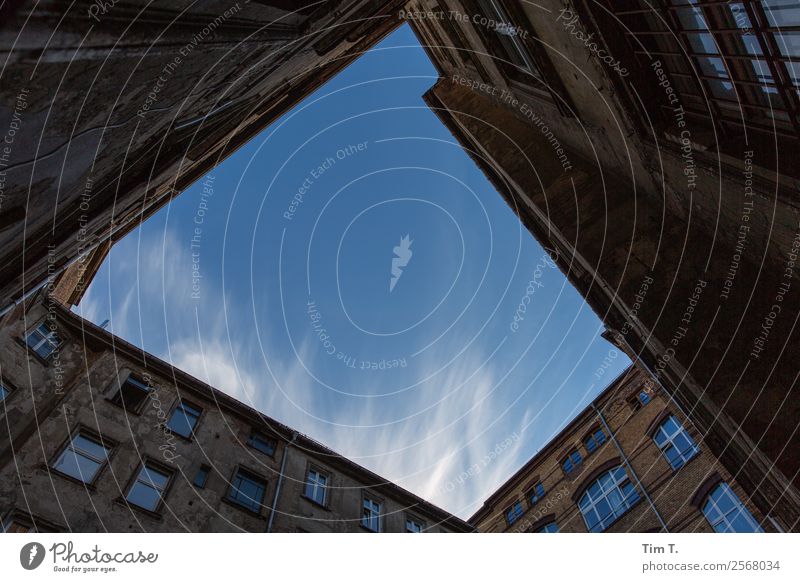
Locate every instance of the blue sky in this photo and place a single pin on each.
(271, 279)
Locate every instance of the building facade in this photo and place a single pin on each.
(99, 436)
(650, 147)
(630, 462)
(110, 109)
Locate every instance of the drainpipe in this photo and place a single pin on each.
(280, 481)
(630, 467)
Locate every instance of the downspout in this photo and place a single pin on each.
(280, 481)
(630, 467)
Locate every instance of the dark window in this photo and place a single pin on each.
(731, 63)
(594, 440)
(497, 23)
(316, 486)
(262, 443)
(571, 461)
(201, 477)
(371, 514)
(514, 512)
(536, 493)
(184, 419)
(82, 458)
(43, 340)
(132, 394)
(248, 489)
(149, 487)
(413, 525)
(676, 444)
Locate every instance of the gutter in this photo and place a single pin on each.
(630, 467)
(280, 481)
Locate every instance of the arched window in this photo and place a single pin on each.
(551, 527)
(727, 514)
(607, 498)
(676, 444)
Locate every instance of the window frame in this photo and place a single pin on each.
(513, 512)
(365, 497)
(181, 403)
(628, 502)
(591, 437)
(325, 488)
(669, 441)
(738, 506)
(243, 505)
(410, 517)
(256, 434)
(134, 378)
(91, 435)
(532, 492)
(204, 470)
(158, 467)
(568, 458)
(45, 339)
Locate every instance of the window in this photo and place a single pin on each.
(316, 486)
(551, 527)
(132, 394)
(594, 440)
(149, 488)
(506, 35)
(414, 525)
(644, 397)
(536, 493)
(676, 444)
(607, 498)
(184, 419)
(730, 63)
(4, 392)
(371, 515)
(514, 512)
(201, 477)
(571, 461)
(727, 514)
(82, 458)
(247, 490)
(43, 340)
(261, 443)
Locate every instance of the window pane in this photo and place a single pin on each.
(144, 496)
(154, 478)
(782, 12)
(183, 420)
(3, 392)
(262, 443)
(77, 466)
(788, 43)
(90, 447)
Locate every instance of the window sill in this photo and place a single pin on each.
(315, 502)
(366, 529)
(151, 514)
(228, 501)
(128, 410)
(43, 361)
(90, 487)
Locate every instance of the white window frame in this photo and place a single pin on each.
(162, 490)
(669, 442)
(44, 336)
(608, 488)
(77, 451)
(313, 486)
(371, 514)
(723, 522)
